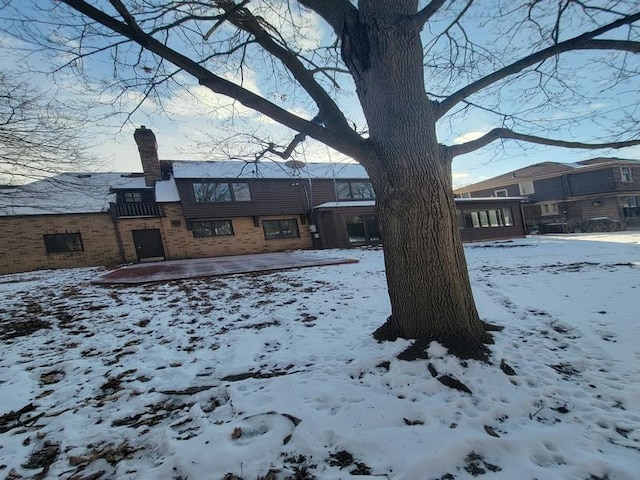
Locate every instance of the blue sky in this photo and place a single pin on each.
(191, 119)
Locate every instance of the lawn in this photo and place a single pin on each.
(276, 376)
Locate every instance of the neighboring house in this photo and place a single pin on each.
(600, 193)
(179, 209)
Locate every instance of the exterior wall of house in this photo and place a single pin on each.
(482, 234)
(333, 225)
(179, 242)
(269, 197)
(332, 222)
(592, 182)
(23, 246)
(125, 227)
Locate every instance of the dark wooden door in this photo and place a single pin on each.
(148, 244)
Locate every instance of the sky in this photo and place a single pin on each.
(190, 120)
(244, 374)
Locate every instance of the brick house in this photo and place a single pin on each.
(179, 209)
(596, 194)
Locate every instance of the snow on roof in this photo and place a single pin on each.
(356, 203)
(167, 191)
(276, 170)
(67, 193)
(488, 199)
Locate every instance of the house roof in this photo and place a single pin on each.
(542, 170)
(267, 169)
(75, 193)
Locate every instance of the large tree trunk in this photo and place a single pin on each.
(427, 275)
(426, 271)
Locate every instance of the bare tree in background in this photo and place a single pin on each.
(39, 137)
(413, 66)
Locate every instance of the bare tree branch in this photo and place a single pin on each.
(330, 114)
(332, 11)
(347, 144)
(424, 15)
(583, 41)
(505, 133)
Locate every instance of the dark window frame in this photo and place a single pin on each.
(626, 174)
(66, 242)
(231, 188)
(351, 195)
(279, 236)
(212, 229)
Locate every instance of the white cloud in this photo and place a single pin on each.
(467, 137)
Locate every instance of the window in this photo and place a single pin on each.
(214, 192)
(501, 193)
(275, 229)
(362, 229)
(625, 174)
(549, 208)
(132, 197)
(485, 218)
(631, 207)
(465, 195)
(526, 188)
(212, 228)
(354, 190)
(63, 242)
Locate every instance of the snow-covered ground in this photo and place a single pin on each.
(277, 376)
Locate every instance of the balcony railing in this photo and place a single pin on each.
(135, 209)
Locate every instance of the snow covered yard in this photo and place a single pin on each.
(277, 376)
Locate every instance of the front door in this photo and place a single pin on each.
(148, 245)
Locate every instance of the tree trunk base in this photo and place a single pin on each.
(459, 345)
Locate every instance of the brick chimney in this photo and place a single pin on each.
(148, 149)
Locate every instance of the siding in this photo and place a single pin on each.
(592, 182)
(269, 197)
(470, 234)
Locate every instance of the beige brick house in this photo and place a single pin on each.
(178, 210)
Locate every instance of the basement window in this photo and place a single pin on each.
(63, 242)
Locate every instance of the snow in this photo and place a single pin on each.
(488, 199)
(67, 193)
(290, 378)
(167, 191)
(346, 204)
(238, 169)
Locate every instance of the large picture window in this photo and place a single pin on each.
(212, 228)
(63, 242)
(362, 229)
(502, 217)
(214, 192)
(354, 190)
(276, 229)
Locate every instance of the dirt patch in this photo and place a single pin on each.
(21, 328)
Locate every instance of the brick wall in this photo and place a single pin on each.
(247, 238)
(179, 242)
(22, 246)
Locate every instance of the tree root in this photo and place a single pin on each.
(460, 345)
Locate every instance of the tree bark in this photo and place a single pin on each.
(427, 276)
